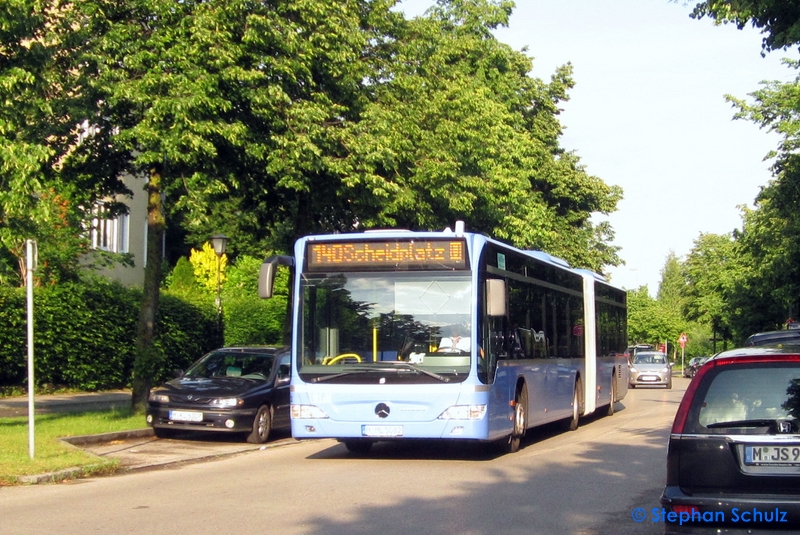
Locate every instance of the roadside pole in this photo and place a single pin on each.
(30, 267)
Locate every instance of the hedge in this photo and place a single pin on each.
(84, 334)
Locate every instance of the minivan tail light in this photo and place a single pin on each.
(686, 509)
(683, 409)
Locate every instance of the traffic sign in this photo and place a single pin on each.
(682, 339)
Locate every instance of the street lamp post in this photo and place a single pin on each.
(220, 244)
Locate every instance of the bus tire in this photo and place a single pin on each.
(577, 396)
(520, 420)
(611, 409)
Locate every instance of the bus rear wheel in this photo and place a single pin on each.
(577, 404)
(610, 411)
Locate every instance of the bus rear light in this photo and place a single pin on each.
(307, 412)
(464, 412)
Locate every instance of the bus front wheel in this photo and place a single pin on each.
(520, 421)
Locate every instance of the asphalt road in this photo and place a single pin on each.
(585, 482)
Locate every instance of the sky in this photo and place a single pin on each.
(648, 113)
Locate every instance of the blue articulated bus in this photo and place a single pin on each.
(400, 335)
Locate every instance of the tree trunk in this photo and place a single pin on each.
(147, 357)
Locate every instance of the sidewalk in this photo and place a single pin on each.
(54, 403)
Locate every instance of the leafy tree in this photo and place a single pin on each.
(276, 119)
(649, 321)
(45, 179)
(710, 271)
(182, 279)
(672, 285)
(779, 20)
(209, 98)
(208, 266)
(456, 129)
(768, 272)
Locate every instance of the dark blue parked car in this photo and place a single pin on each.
(234, 389)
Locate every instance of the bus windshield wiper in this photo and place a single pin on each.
(409, 366)
(351, 371)
(384, 367)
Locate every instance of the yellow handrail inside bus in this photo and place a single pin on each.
(337, 358)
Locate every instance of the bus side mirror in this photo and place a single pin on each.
(495, 297)
(266, 275)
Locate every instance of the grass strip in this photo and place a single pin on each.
(50, 454)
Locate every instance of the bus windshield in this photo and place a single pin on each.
(357, 322)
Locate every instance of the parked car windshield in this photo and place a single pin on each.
(227, 364)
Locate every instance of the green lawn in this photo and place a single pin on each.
(50, 454)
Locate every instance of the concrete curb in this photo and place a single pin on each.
(108, 437)
(80, 471)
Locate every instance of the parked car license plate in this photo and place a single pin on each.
(382, 430)
(186, 416)
(760, 455)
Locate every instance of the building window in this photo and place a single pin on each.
(110, 234)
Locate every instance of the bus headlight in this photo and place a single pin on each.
(464, 412)
(307, 412)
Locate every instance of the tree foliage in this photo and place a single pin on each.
(273, 119)
(456, 129)
(49, 171)
(779, 20)
(768, 248)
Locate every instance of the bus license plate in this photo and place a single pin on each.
(382, 430)
(761, 455)
(186, 416)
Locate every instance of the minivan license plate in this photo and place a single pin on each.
(761, 455)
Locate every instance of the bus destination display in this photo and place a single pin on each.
(408, 254)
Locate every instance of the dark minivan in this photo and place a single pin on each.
(734, 451)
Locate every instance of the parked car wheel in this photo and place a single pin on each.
(262, 425)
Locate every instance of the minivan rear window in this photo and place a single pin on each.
(747, 397)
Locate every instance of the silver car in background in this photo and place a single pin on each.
(650, 368)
